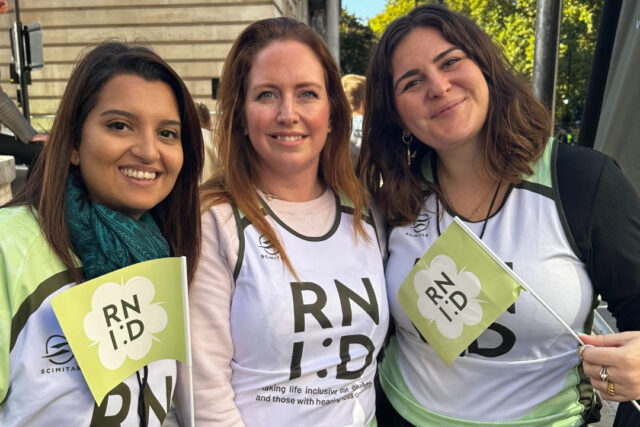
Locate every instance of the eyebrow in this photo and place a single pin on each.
(414, 71)
(133, 116)
(269, 85)
(119, 112)
(314, 85)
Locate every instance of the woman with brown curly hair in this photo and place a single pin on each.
(449, 130)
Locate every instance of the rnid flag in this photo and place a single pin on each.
(456, 290)
(117, 323)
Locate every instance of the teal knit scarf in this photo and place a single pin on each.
(106, 240)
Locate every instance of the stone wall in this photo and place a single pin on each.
(194, 36)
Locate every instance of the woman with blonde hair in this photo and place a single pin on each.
(354, 86)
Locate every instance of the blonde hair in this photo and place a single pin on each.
(354, 86)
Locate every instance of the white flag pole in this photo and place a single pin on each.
(187, 337)
(517, 278)
(526, 288)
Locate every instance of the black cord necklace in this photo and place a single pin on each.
(141, 406)
(486, 219)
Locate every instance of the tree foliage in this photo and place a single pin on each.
(511, 24)
(578, 36)
(393, 10)
(356, 42)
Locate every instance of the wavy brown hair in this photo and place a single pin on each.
(514, 135)
(237, 174)
(178, 215)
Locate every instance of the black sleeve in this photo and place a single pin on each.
(626, 416)
(603, 213)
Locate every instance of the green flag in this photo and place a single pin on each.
(456, 290)
(119, 322)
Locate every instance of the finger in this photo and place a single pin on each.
(602, 356)
(595, 340)
(620, 339)
(582, 348)
(609, 340)
(603, 388)
(625, 387)
(593, 371)
(612, 375)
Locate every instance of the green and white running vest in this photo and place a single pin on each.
(40, 381)
(305, 350)
(523, 370)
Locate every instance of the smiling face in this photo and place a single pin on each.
(440, 94)
(130, 153)
(287, 110)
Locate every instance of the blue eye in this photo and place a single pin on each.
(265, 95)
(309, 94)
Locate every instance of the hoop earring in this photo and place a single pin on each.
(407, 139)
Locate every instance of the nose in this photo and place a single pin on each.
(438, 85)
(287, 113)
(145, 148)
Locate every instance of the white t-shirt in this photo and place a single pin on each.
(245, 332)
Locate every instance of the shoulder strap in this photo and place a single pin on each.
(241, 223)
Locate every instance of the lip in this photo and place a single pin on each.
(140, 181)
(447, 108)
(140, 168)
(292, 138)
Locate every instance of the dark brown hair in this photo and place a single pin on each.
(178, 215)
(515, 132)
(237, 170)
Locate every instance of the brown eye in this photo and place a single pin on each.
(168, 134)
(117, 126)
(411, 84)
(450, 62)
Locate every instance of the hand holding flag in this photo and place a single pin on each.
(458, 288)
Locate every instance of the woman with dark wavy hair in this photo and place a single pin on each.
(449, 130)
(290, 288)
(117, 184)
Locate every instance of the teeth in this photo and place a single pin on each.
(138, 174)
(288, 138)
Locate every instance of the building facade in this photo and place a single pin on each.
(194, 36)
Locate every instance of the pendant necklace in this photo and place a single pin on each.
(473, 213)
(486, 219)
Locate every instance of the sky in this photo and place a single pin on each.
(364, 9)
